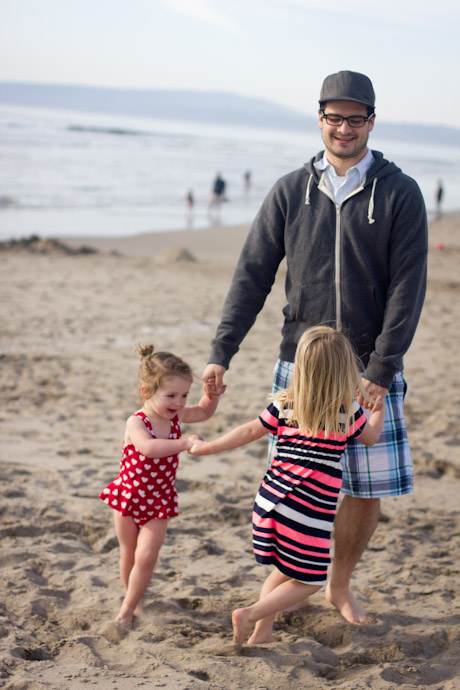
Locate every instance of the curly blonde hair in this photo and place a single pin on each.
(156, 366)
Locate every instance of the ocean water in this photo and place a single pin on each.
(65, 174)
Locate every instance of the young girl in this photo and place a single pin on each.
(294, 509)
(144, 495)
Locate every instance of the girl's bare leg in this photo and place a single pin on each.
(283, 596)
(263, 631)
(127, 533)
(149, 541)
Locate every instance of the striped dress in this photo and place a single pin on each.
(296, 503)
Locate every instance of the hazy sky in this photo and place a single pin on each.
(275, 49)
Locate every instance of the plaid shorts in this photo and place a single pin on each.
(384, 469)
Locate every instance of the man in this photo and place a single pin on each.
(353, 229)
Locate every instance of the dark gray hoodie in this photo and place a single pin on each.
(359, 266)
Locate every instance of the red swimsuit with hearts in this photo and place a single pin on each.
(145, 488)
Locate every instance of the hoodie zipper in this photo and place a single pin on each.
(338, 296)
(323, 187)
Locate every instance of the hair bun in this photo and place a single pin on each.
(145, 350)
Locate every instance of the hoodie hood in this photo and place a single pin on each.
(379, 169)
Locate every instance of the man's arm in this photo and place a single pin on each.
(252, 280)
(407, 266)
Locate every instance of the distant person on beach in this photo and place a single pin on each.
(438, 198)
(353, 230)
(247, 180)
(217, 196)
(312, 421)
(190, 205)
(144, 495)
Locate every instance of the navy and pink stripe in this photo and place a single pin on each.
(295, 507)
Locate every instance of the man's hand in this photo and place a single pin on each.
(376, 393)
(213, 379)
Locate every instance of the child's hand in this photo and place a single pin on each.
(210, 388)
(193, 439)
(198, 446)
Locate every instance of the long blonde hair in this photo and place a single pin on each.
(324, 383)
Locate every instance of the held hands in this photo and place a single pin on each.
(213, 384)
(198, 446)
(191, 440)
(376, 393)
(212, 390)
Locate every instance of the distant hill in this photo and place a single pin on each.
(194, 106)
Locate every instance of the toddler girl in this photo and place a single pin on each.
(144, 495)
(294, 510)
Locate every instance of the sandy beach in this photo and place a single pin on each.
(70, 322)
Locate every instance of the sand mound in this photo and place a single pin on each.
(37, 245)
(174, 255)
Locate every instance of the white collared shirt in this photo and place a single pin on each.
(340, 186)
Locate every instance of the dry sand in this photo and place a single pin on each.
(68, 378)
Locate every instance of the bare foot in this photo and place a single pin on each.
(138, 611)
(261, 638)
(242, 626)
(125, 616)
(348, 607)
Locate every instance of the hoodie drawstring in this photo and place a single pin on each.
(307, 192)
(370, 209)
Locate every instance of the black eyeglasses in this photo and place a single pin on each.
(337, 120)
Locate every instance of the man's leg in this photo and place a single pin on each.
(354, 525)
(368, 473)
(282, 375)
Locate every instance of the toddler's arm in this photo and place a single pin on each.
(154, 447)
(199, 413)
(373, 427)
(240, 436)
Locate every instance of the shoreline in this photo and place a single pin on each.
(218, 242)
(215, 242)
